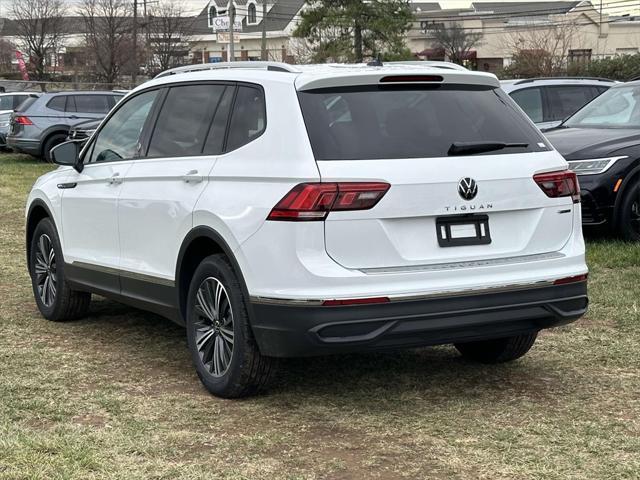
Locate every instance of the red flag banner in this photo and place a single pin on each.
(22, 66)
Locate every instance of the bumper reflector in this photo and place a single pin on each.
(355, 301)
(574, 279)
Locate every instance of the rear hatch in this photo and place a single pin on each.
(460, 159)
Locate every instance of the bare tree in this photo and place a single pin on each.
(168, 31)
(542, 50)
(108, 36)
(39, 29)
(7, 54)
(455, 40)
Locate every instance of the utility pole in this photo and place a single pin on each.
(600, 25)
(232, 19)
(263, 46)
(134, 74)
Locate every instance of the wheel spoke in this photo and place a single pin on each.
(51, 289)
(203, 305)
(207, 355)
(216, 357)
(227, 335)
(44, 251)
(45, 291)
(218, 294)
(202, 341)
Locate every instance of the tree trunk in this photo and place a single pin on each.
(357, 42)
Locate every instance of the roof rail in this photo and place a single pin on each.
(429, 63)
(252, 65)
(597, 79)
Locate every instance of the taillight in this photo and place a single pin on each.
(559, 184)
(314, 201)
(22, 120)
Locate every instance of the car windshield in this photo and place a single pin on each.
(409, 121)
(618, 107)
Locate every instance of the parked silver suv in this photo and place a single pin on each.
(548, 101)
(40, 125)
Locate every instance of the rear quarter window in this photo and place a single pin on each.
(373, 122)
(92, 103)
(57, 103)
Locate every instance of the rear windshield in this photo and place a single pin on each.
(26, 104)
(373, 122)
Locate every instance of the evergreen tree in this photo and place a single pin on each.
(351, 30)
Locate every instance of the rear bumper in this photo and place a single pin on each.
(290, 330)
(31, 147)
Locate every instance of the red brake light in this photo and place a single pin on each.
(411, 78)
(22, 120)
(559, 184)
(314, 201)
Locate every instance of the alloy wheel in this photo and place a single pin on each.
(214, 326)
(45, 270)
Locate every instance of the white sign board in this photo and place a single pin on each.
(224, 37)
(221, 24)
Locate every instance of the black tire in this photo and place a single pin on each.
(498, 350)
(52, 141)
(629, 213)
(246, 372)
(64, 303)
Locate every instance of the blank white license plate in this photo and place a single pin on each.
(464, 231)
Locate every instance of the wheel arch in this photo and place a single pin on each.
(38, 210)
(198, 244)
(632, 177)
(51, 131)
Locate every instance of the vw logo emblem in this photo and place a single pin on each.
(467, 188)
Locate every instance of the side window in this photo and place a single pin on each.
(57, 103)
(215, 139)
(530, 100)
(565, 101)
(7, 102)
(248, 119)
(119, 137)
(17, 100)
(92, 103)
(184, 120)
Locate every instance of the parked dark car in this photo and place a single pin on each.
(601, 142)
(41, 125)
(83, 130)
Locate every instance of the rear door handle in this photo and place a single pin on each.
(115, 179)
(192, 177)
(73, 117)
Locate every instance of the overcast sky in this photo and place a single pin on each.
(616, 7)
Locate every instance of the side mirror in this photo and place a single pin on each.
(67, 154)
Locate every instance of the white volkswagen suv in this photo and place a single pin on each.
(281, 211)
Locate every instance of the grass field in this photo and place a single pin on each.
(115, 396)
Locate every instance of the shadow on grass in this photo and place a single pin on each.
(153, 349)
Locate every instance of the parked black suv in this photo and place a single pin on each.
(601, 142)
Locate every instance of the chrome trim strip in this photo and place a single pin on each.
(413, 297)
(125, 273)
(466, 264)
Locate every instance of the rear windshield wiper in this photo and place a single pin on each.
(469, 148)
